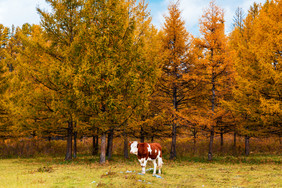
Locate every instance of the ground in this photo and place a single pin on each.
(87, 172)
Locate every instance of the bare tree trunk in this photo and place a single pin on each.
(210, 154)
(194, 141)
(142, 135)
(96, 143)
(211, 144)
(74, 144)
(152, 139)
(247, 145)
(173, 143)
(103, 149)
(125, 146)
(95, 140)
(110, 144)
(235, 140)
(69, 141)
(221, 140)
(235, 143)
(96, 149)
(173, 138)
(93, 145)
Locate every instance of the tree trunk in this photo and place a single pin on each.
(173, 138)
(125, 146)
(69, 141)
(110, 144)
(103, 149)
(234, 143)
(152, 139)
(95, 144)
(142, 135)
(221, 140)
(211, 144)
(74, 144)
(173, 143)
(234, 140)
(247, 145)
(213, 109)
(194, 141)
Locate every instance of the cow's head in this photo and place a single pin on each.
(133, 147)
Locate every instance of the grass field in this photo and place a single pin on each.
(256, 171)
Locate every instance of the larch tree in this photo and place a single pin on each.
(105, 25)
(4, 116)
(146, 37)
(246, 97)
(268, 50)
(61, 28)
(257, 60)
(50, 60)
(30, 103)
(11, 66)
(178, 80)
(218, 69)
(238, 23)
(115, 76)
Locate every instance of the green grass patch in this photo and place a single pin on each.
(256, 171)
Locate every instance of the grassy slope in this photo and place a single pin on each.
(50, 172)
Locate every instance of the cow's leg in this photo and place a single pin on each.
(143, 163)
(160, 164)
(143, 167)
(155, 166)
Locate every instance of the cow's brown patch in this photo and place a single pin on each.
(144, 153)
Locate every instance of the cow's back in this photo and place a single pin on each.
(156, 150)
(143, 150)
(157, 145)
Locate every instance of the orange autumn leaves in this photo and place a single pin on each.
(104, 65)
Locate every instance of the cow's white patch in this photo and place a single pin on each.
(159, 154)
(155, 166)
(143, 163)
(133, 148)
(160, 162)
(149, 149)
(155, 151)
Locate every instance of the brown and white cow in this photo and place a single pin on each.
(147, 152)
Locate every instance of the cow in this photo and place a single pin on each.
(147, 152)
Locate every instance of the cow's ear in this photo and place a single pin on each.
(129, 143)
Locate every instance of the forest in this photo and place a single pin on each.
(97, 74)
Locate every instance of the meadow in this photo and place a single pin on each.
(40, 163)
(85, 171)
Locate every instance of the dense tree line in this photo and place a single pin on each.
(101, 69)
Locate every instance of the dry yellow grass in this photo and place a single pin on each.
(86, 172)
